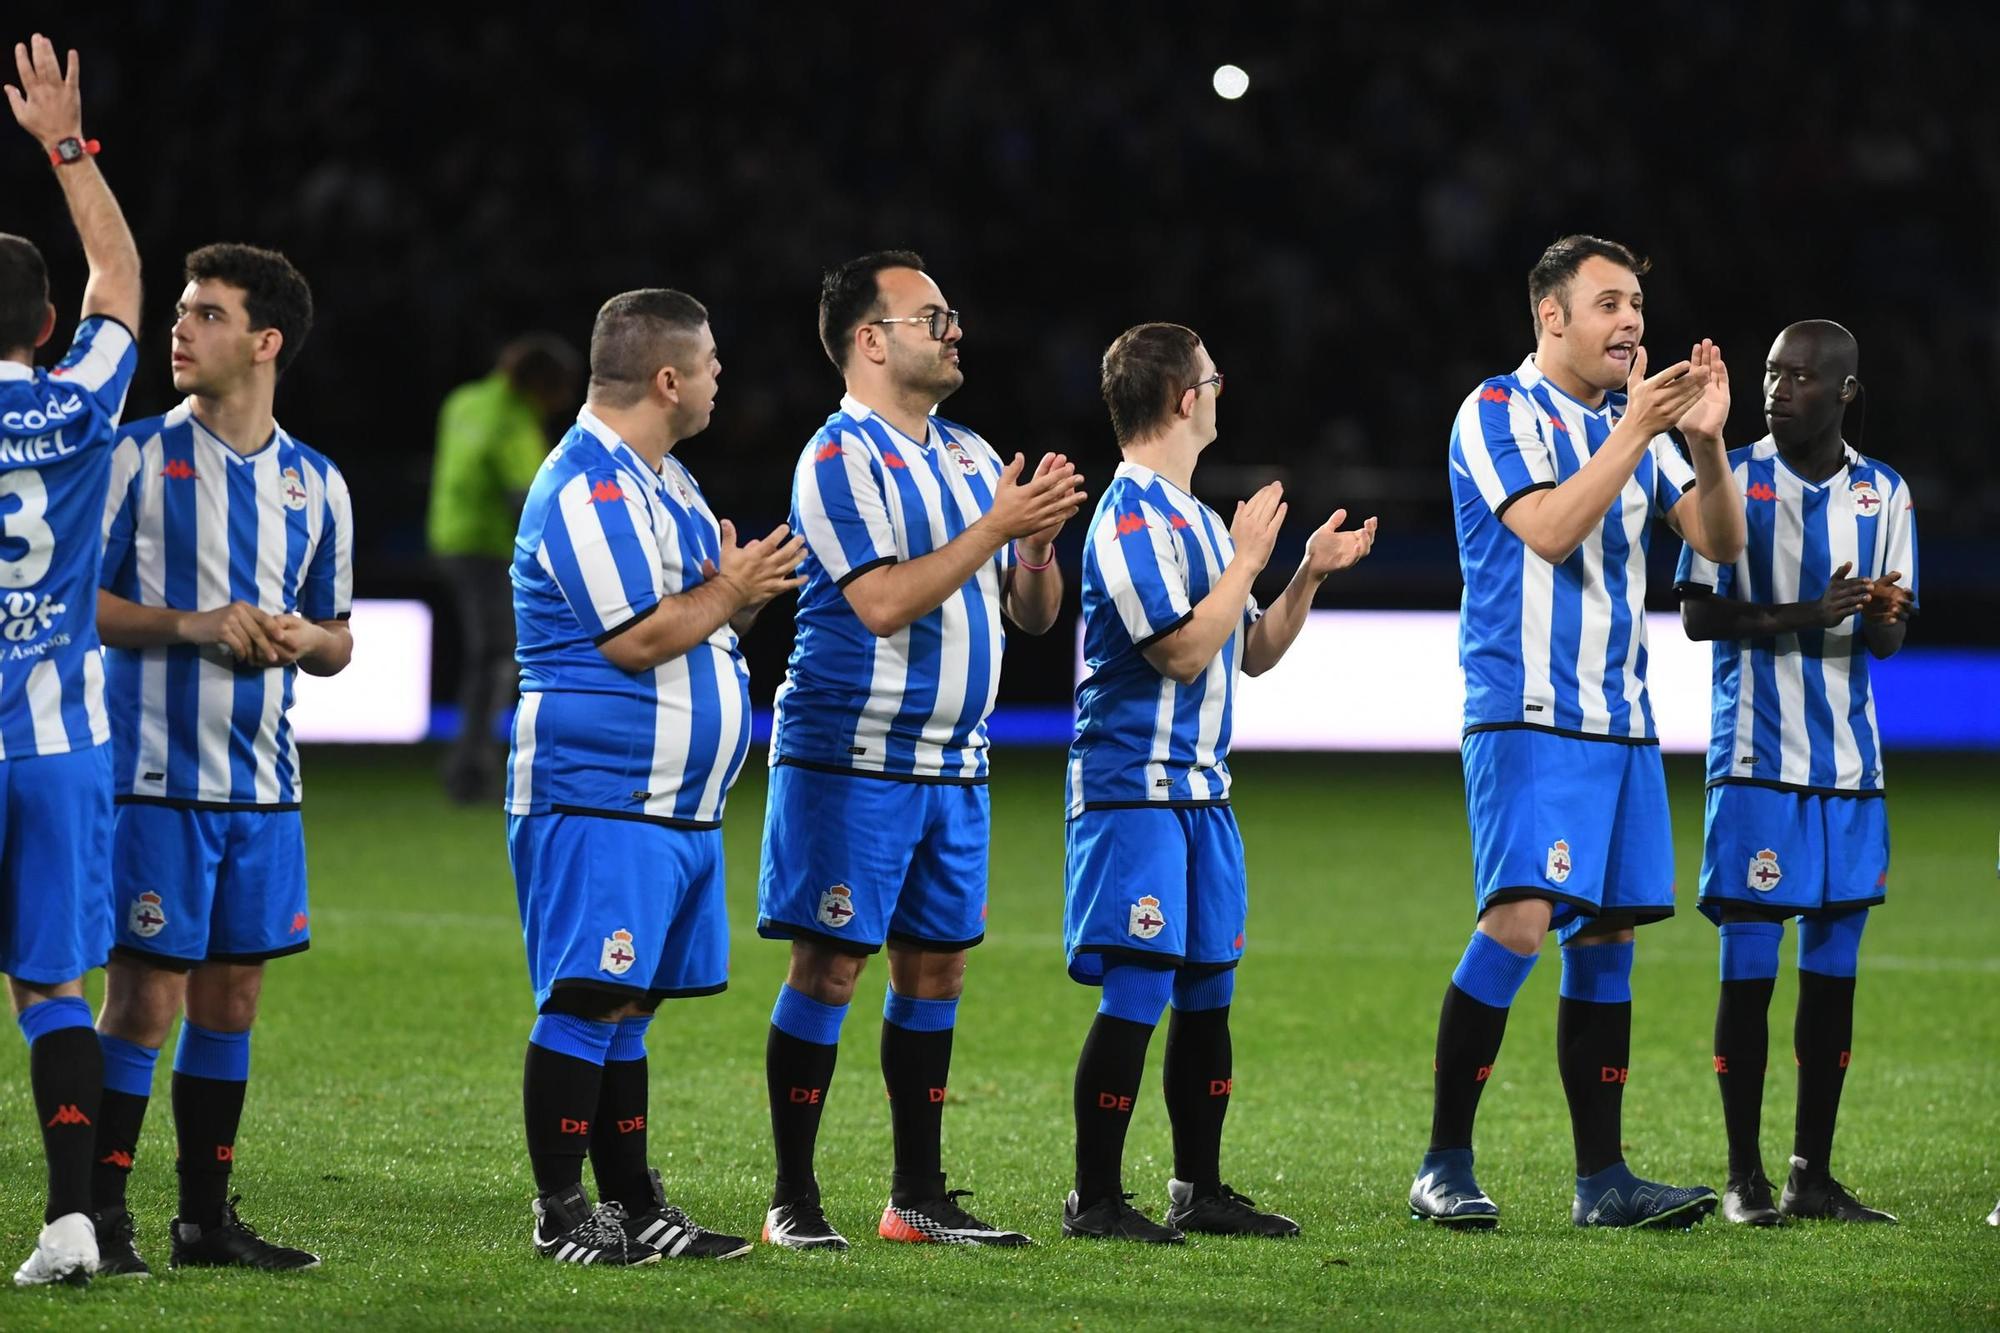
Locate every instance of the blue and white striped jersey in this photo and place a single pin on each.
(56, 428)
(1141, 738)
(192, 524)
(1797, 711)
(603, 541)
(912, 705)
(1557, 647)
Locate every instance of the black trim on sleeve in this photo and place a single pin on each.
(622, 626)
(930, 779)
(1559, 731)
(636, 817)
(1685, 586)
(1500, 511)
(1159, 634)
(859, 570)
(1772, 784)
(109, 319)
(221, 807)
(1692, 483)
(345, 615)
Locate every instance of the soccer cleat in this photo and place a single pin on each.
(800, 1225)
(117, 1250)
(1615, 1197)
(1993, 1218)
(1810, 1194)
(942, 1222)
(673, 1234)
(232, 1244)
(569, 1231)
(1748, 1202)
(66, 1251)
(1222, 1213)
(1444, 1192)
(1115, 1219)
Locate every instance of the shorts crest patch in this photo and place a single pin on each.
(1559, 864)
(1764, 872)
(836, 906)
(1146, 919)
(618, 956)
(146, 918)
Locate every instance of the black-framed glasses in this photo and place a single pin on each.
(1199, 385)
(940, 322)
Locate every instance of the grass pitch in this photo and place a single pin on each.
(383, 1123)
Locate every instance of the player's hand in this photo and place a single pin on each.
(1843, 596)
(1329, 550)
(1037, 547)
(48, 102)
(1888, 601)
(1254, 526)
(1705, 420)
(1040, 505)
(240, 629)
(295, 637)
(1654, 403)
(759, 570)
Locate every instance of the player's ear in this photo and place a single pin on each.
(1550, 313)
(869, 342)
(48, 325)
(667, 383)
(1850, 388)
(269, 343)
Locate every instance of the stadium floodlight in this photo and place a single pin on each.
(1231, 82)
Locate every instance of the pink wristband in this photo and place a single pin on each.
(1035, 568)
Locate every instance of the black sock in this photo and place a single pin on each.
(1593, 1051)
(66, 1072)
(915, 1067)
(618, 1136)
(1821, 1040)
(797, 1074)
(120, 1118)
(1198, 1080)
(1108, 1074)
(207, 1112)
(1468, 1042)
(1742, 1049)
(559, 1097)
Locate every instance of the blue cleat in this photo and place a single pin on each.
(1614, 1197)
(1444, 1192)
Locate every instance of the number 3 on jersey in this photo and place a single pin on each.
(25, 525)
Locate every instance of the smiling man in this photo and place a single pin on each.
(1556, 473)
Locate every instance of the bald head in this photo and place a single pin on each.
(1831, 347)
(1809, 379)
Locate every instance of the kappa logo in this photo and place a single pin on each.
(1146, 919)
(69, 1113)
(1176, 522)
(962, 458)
(618, 957)
(1760, 490)
(179, 469)
(836, 906)
(1866, 501)
(1556, 424)
(1764, 872)
(605, 492)
(119, 1158)
(298, 922)
(1131, 523)
(890, 458)
(146, 918)
(1496, 394)
(1559, 864)
(293, 487)
(827, 452)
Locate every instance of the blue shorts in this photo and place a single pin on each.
(1792, 852)
(193, 886)
(1163, 887)
(623, 906)
(55, 850)
(857, 861)
(1582, 823)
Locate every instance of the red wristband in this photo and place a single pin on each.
(73, 149)
(1035, 568)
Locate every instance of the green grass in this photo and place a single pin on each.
(383, 1123)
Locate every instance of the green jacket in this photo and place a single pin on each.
(489, 446)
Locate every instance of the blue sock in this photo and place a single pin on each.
(918, 1015)
(1197, 994)
(1136, 994)
(1750, 950)
(799, 1015)
(40, 1019)
(1598, 973)
(1490, 972)
(128, 1066)
(579, 1038)
(629, 1042)
(1831, 945)
(204, 1053)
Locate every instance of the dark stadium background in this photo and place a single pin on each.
(1351, 238)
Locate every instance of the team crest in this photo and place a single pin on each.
(962, 458)
(1146, 920)
(836, 906)
(618, 957)
(293, 487)
(1560, 864)
(1764, 871)
(147, 918)
(1866, 501)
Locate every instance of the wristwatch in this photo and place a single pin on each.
(72, 149)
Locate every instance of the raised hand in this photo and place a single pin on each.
(759, 570)
(1037, 508)
(1843, 596)
(1888, 601)
(1254, 527)
(1710, 412)
(1037, 544)
(1329, 550)
(1654, 403)
(48, 101)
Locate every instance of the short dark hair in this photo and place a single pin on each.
(635, 334)
(540, 363)
(1552, 272)
(275, 295)
(24, 292)
(851, 293)
(1146, 370)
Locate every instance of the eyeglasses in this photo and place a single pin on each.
(1198, 385)
(940, 322)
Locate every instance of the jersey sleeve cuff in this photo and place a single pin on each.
(1500, 511)
(1159, 634)
(624, 625)
(861, 569)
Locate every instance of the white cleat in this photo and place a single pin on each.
(1993, 1218)
(66, 1251)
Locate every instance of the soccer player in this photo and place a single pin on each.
(876, 830)
(1556, 469)
(56, 429)
(228, 568)
(633, 723)
(1797, 824)
(1155, 891)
